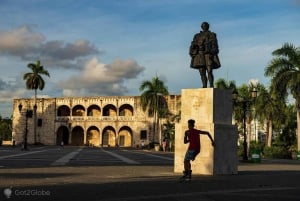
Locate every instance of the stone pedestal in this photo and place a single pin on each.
(212, 111)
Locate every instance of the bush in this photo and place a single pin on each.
(276, 152)
(256, 146)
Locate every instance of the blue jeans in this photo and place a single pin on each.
(190, 155)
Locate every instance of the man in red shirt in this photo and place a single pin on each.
(192, 136)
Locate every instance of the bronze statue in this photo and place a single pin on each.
(204, 54)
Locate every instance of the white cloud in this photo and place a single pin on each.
(101, 79)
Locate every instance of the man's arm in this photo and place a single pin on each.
(210, 137)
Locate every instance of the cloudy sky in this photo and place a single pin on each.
(108, 47)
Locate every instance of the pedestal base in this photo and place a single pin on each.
(206, 107)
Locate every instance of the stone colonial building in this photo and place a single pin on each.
(96, 121)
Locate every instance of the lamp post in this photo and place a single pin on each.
(245, 105)
(28, 114)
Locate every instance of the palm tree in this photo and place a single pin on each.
(35, 81)
(223, 84)
(239, 109)
(152, 95)
(243, 115)
(284, 69)
(269, 108)
(169, 132)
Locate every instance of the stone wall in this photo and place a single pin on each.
(133, 120)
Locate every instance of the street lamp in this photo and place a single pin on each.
(245, 105)
(28, 115)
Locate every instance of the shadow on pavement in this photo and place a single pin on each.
(249, 185)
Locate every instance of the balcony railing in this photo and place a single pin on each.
(94, 118)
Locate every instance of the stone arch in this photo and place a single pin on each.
(77, 136)
(78, 110)
(63, 110)
(93, 110)
(62, 135)
(125, 137)
(109, 110)
(93, 136)
(109, 136)
(126, 110)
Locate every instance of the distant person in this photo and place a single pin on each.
(204, 51)
(143, 144)
(192, 136)
(164, 143)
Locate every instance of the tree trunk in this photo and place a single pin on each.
(270, 132)
(248, 137)
(154, 126)
(34, 116)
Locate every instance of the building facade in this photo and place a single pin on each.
(95, 121)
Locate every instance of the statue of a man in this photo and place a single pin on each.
(204, 53)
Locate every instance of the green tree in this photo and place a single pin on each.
(5, 129)
(243, 115)
(169, 132)
(35, 81)
(152, 99)
(269, 108)
(284, 69)
(290, 125)
(243, 95)
(223, 84)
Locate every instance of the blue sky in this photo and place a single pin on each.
(108, 47)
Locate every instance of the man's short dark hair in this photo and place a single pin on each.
(191, 121)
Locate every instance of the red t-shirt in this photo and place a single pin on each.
(194, 138)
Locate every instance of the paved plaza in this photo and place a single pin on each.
(108, 174)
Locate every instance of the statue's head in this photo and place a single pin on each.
(205, 26)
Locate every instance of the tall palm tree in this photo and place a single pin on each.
(269, 108)
(152, 95)
(35, 81)
(284, 69)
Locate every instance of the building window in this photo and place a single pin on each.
(143, 134)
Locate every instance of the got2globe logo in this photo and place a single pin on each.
(10, 192)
